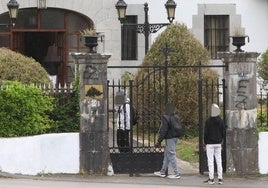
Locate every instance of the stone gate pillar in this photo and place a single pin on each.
(241, 112)
(94, 148)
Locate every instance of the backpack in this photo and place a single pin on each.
(175, 125)
(134, 114)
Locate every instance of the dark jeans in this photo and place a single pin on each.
(123, 140)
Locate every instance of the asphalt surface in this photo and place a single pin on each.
(118, 181)
(190, 178)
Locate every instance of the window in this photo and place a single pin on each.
(129, 39)
(52, 14)
(216, 34)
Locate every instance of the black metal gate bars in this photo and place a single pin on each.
(149, 100)
(142, 156)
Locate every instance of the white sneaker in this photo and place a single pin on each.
(173, 176)
(160, 174)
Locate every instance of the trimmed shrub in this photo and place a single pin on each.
(183, 83)
(17, 67)
(23, 110)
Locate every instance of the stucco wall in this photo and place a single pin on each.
(49, 153)
(253, 13)
(59, 153)
(263, 152)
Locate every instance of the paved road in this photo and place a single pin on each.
(60, 184)
(123, 181)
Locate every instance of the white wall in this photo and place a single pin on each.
(59, 153)
(263, 152)
(49, 153)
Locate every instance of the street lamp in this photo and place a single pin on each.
(13, 8)
(146, 28)
(166, 51)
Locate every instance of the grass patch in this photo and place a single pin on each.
(186, 150)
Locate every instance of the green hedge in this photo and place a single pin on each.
(262, 121)
(23, 110)
(65, 113)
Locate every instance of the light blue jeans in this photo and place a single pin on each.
(170, 156)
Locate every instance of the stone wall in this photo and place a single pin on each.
(241, 112)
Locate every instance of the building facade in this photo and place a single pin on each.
(48, 30)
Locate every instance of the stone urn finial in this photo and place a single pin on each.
(91, 39)
(239, 41)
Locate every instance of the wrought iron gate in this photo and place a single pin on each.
(142, 156)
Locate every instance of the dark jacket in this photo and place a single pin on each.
(214, 130)
(165, 131)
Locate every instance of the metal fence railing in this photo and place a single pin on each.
(262, 110)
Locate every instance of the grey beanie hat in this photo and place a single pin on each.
(215, 110)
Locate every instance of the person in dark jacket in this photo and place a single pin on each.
(213, 137)
(171, 139)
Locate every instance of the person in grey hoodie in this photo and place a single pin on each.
(171, 138)
(213, 137)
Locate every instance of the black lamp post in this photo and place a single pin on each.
(13, 8)
(146, 28)
(166, 51)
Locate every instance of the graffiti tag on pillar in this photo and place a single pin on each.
(91, 72)
(92, 102)
(242, 97)
(239, 68)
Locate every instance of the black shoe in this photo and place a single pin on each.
(209, 181)
(220, 181)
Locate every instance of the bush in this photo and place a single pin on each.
(66, 112)
(183, 83)
(23, 110)
(262, 121)
(262, 66)
(17, 67)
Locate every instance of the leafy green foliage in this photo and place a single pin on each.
(262, 66)
(66, 112)
(23, 110)
(127, 76)
(16, 67)
(186, 50)
(262, 121)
